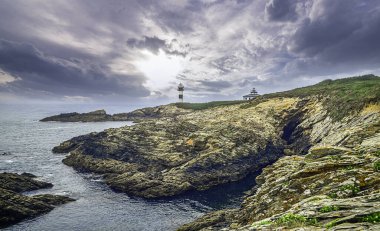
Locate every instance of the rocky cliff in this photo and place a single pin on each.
(322, 142)
(15, 207)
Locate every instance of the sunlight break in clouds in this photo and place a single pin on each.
(160, 69)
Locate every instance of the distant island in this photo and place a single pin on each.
(318, 148)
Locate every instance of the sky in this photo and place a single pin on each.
(138, 51)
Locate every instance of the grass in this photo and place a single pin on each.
(345, 96)
(203, 106)
(332, 195)
(372, 218)
(328, 208)
(295, 220)
(262, 223)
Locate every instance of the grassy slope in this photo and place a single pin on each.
(202, 106)
(345, 96)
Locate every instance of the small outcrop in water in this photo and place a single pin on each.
(15, 207)
(94, 116)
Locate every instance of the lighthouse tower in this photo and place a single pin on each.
(180, 90)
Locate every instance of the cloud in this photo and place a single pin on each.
(6, 78)
(93, 48)
(281, 10)
(77, 98)
(62, 77)
(339, 35)
(155, 44)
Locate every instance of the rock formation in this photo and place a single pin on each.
(15, 207)
(101, 115)
(327, 135)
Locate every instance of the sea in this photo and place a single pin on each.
(26, 144)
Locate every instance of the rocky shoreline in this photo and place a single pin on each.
(322, 141)
(15, 207)
(102, 116)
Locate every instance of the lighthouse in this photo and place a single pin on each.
(180, 90)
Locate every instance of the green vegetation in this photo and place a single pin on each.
(349, 167)
(264, 223)
(376, 166)
(345, 96)
(332, 195)
(202, 106)
(351, 187)
(373, 218)
(332, 223)
(328, 208)
(295, 220)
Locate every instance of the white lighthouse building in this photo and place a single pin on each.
(251, 95)
(180, 90)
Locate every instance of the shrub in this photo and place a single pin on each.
(291, 219)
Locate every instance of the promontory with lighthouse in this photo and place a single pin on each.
(316, 150)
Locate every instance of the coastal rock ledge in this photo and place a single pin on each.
(15, 207)
(322, 141)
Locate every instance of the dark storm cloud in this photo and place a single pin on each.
(49, 74)
(153, 44)
(281, 10)
(343, 37)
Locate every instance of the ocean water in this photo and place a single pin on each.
(25, 146)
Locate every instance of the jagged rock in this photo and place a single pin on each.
(15, 207)
(21, 183)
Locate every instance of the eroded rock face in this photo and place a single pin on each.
(15, 207)
(336, 185)
(193, 151)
